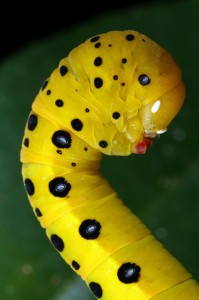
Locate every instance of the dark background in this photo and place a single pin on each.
(22, 23)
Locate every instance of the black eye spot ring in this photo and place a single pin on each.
(129, 273)
(98, 82)
(98, 61)
(59, 187)
(90, 229)
(77, 124)
(62, 139)
(144, 79)
(29, 186)
(96, 289)
(57, 242)
(103, 144)
(116, 115)
(32, 122)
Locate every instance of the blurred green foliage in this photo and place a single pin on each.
(161, 187)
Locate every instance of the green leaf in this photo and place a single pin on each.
(161, 187)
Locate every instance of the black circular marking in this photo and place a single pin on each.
(38, 212)
(98, 82)
(59, 151)
(59, 103)
(110, 45)
(73, 164)
(29, 186)
(75, 265)
(124, 60)
(85, 149)
(144, 79)
(129, 273)
(77, 124)
(130, 37)
(62, 139)
(97, 45)
(95, 39)
(123, 84)
(87, 110)
(96, 289)
(44, 85)
(103, 144)
(26, 142)
(63, 70)
(90, 229)
(98, 61)
(115, 77)
(59, 187)
(57, 242)
(116, 115)
(143, 40)
(32, 122)
(48, 92)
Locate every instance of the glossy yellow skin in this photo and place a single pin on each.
(144, 111)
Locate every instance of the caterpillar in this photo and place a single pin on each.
(112, 95)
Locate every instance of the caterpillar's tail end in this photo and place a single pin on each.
(143, 145)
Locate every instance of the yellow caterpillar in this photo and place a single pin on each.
(113, 94)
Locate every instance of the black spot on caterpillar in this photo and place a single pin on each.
(112, 95)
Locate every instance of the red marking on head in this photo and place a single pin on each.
(143, 145)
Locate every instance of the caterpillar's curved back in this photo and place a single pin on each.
(112, 94)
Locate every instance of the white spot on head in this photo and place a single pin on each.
(155, 106)
(161, 131)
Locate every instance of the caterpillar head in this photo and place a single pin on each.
(156, 115)
(155, 96)
(118, 91)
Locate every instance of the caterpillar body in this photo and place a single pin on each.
(113, 94)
